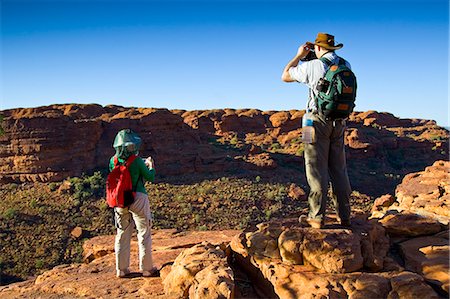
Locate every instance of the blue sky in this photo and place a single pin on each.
(218, 54)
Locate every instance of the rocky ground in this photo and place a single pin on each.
(397, 250)
(37, 219)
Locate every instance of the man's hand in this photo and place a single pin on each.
(150, 163)
(304, 49)
(301, 53)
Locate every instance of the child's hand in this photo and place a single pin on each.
(150, 163)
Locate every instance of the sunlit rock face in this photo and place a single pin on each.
(53, 142)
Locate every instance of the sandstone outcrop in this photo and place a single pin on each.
(422, 197)
(417, 219)
(288, 261)
(427, 192)
(53, 142)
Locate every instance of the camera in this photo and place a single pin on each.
(310, 56)
(322, 85)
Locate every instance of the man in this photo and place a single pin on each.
(324, 158)
(138, 213)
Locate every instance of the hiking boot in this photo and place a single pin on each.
(122, 273)
(304, 220)
(150, 273)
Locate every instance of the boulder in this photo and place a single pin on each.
(410, 224)
(332, 250)
(329, 250)
(296, 192)
(427, 192)
(383, 202)
(410, 285)
(286, 121)
(201, 271)
(77, 232)
(276, 279)
(428, 256)
(214, 281)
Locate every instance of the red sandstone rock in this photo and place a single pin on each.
(409, 224)
(427, 192)
(263, 160)
(330, 250)
(201, 271)
(295, 192)
(286, 121)
(383, 202)
(77, 232)
(428, 256)
(285, 275)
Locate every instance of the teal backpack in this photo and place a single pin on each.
(336, 91)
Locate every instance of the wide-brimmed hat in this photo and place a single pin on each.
(326, 41)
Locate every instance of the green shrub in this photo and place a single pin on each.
(202, 228)
(53, 186)
(33, 203)
(39, 264)
(197, 218)
(86, 187)
(275, 146)
(271, 195)
(42, 210)
(234, 140)
(10, 213)
(436, 137)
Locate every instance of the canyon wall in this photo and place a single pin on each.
(53, 142)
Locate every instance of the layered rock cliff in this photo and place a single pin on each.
(53, 142)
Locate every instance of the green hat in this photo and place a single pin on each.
(127, 143)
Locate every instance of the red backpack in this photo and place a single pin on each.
(119, 188)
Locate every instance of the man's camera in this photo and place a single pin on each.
(310, 56)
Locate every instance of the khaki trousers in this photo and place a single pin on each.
(325, 160)
(138, 214)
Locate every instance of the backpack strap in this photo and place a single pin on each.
(128, 163)
(341, 61)
(326, 61)
(130, 160)
(328, 64)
